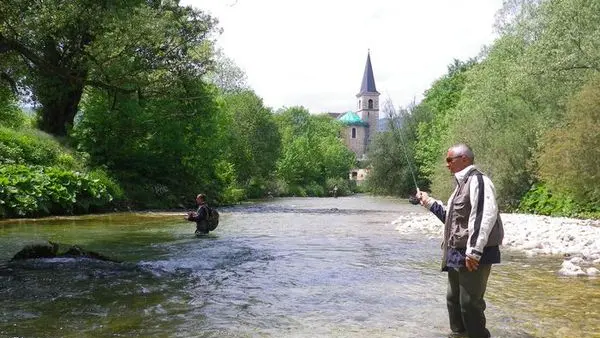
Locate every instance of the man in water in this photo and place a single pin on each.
(200, 216)
(472, 234)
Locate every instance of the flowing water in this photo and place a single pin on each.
(294, 267)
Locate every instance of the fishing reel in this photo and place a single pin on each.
(414, 200)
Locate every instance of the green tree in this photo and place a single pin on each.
(162, 149)
(253, 137)
(569, 157)
(392, 155)
(433, 115)
(312, 149)
(122, 47)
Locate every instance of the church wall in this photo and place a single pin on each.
(357, 145)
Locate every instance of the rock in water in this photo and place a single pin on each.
(39, 250)
(50, 250)
(76, 251)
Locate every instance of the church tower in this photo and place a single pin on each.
(368, 101)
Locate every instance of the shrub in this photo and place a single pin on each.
(33, 147)
(38, 191)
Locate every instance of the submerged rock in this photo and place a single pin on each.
(39, 250)
(51, 250)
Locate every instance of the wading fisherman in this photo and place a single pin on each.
(200, 216)
(473, 233)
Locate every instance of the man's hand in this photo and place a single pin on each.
(471, 263)
(422, 196)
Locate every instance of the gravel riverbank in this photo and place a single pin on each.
(575, 241)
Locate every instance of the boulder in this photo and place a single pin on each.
(51, 250)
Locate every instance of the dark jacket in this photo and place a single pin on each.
(200, 217)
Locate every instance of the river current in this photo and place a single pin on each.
(290, 267)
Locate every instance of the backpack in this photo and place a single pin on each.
(212, 218)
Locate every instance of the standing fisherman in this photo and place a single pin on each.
(472, 234)
(200, 216)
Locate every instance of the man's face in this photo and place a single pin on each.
(456, 163)
(199, 200)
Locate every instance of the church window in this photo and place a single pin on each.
(359, 102)
(370, 104)
(353, 132)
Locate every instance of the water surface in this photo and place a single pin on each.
(294, 267)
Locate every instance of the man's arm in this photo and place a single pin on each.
(484, 211)
(198, 215)
(433, 205)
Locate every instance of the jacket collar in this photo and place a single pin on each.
(460, 176)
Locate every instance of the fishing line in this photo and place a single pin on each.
(411, 199)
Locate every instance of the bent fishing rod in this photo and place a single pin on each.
(412, 199)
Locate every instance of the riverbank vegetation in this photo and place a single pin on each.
(131, 105)
(134, 107)
(528, 105)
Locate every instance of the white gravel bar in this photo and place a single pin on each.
(576, 241)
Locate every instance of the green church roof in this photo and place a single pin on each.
(352, 119)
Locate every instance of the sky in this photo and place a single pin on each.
(312, 53)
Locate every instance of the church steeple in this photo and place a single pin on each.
(368, 81)
(368, 105)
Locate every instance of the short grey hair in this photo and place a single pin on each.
(461, 149)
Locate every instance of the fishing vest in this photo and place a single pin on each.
(456, 227)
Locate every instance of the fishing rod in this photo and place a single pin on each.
(412, 199)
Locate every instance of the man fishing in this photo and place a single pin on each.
(472, 234)
(200, 216)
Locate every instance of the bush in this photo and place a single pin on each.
(38, 191)
(32, 147)
(315, 189)
(277, 187)
(10, 114)
(541, 200)
(343, 186)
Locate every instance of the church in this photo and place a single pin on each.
(362, 125)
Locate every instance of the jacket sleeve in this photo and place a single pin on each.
(437, 208)
(484, 211)
(200, 215)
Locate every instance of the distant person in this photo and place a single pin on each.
(473, 233)
(200, 216)
(335, 190)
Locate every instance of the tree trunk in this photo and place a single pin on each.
(59, 99)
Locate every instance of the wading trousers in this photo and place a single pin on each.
(465, 300)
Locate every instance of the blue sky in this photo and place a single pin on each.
(313, 52)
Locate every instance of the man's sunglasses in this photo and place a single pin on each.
(450, 159)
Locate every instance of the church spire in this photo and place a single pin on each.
(368, 81)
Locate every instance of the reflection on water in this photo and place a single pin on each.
(286, 267)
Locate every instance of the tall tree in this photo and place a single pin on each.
(253, 137)
(123, 46)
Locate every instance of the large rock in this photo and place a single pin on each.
(38, 250)
(51, 250)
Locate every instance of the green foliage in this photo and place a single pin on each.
(28, 146)
(312, 151)
(541, 200)
(57, 48)
(37, 191)
(568, 161)
(344, 186)
(251, 139)
(392, 156)
(514, 95)
(433, 115)
(276, 187)
(10, 114)
(162, 149)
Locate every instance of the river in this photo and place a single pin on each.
(289, 267)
